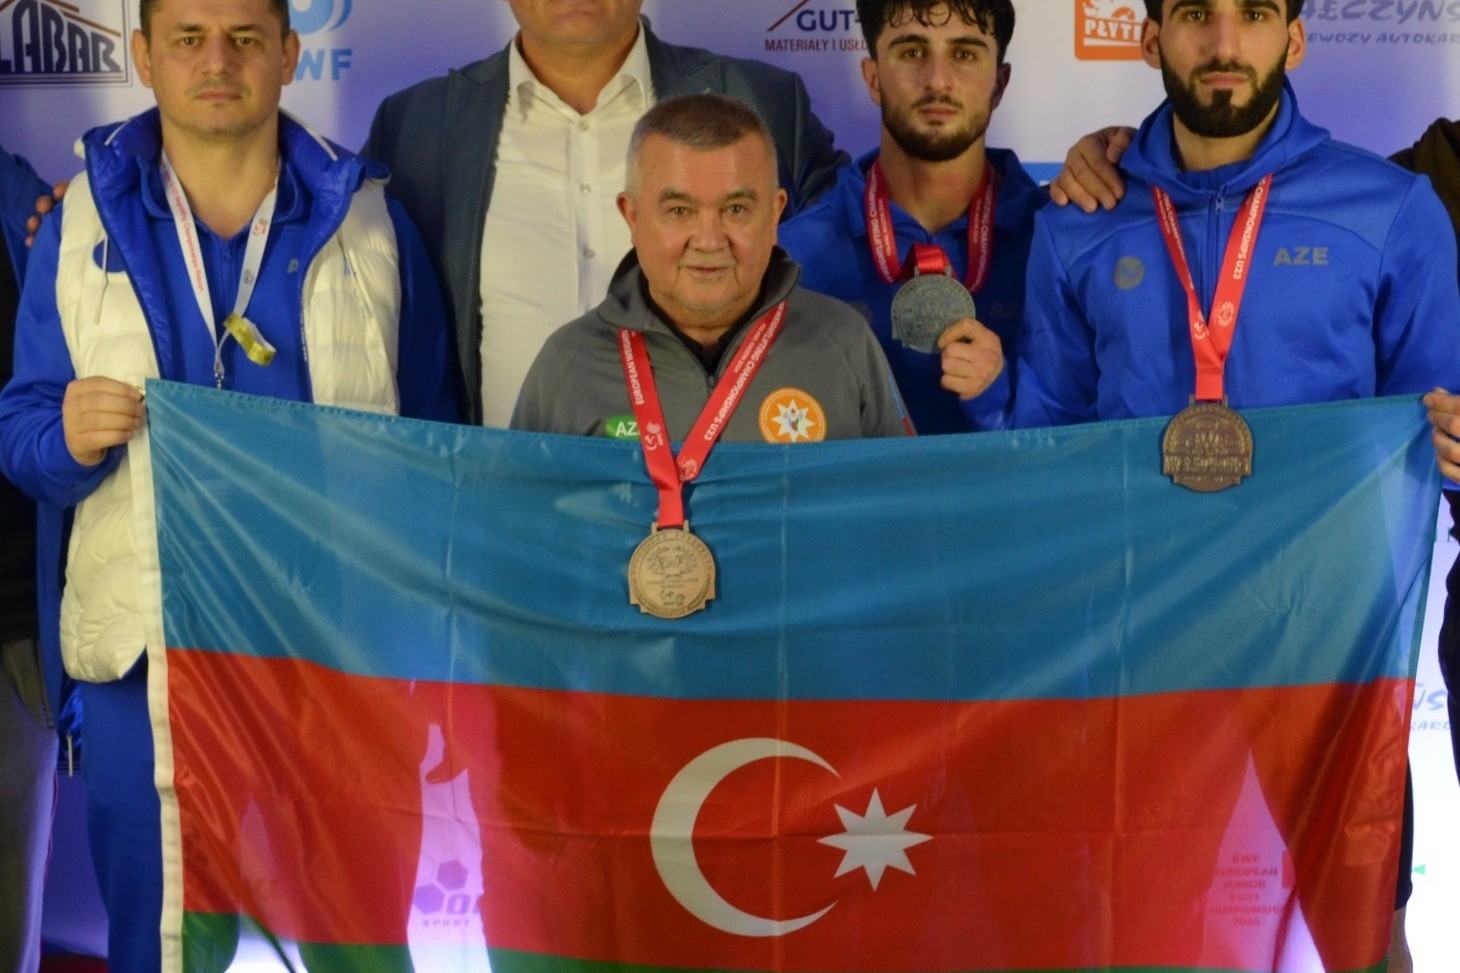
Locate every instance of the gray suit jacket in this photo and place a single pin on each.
(439, 139)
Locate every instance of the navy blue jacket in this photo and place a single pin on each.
(19, 188)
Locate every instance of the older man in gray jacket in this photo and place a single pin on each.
(704, 317)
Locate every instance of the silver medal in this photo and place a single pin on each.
(924, 307)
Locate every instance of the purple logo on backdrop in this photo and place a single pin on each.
(813, 26)
(47, 42)
(444, 899)
(1376, 23)
(311, 17)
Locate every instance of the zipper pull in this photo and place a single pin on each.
(70, 756)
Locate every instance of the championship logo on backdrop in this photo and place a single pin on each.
(812, 26)
(1108, 30)
(51, 42)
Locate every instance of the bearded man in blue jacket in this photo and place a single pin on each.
(1352, 287)
(1344, 287)
(216, 242)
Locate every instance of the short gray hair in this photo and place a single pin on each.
(703, 121)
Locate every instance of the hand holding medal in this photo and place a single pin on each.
(973, 357)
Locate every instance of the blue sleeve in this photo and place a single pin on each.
(992, 410)
(425, 371)
(1417, 311)
(1057, 371)
(33, 453)
(20, 187)
(819, 158)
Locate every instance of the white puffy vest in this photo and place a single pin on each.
(351, 306)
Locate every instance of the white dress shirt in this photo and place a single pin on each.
(553, 233)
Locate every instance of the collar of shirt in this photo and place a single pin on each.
(528, 93)
(289, 207)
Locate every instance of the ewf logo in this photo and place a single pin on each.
(314, 16)
(310, 17)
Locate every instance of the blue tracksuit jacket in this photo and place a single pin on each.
(1352, 290)
(829, 241)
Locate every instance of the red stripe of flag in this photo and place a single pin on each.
(1211, 829)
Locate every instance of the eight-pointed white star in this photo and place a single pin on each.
(875, 841)
(795, 421)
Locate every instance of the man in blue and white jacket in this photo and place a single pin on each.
(180, 215)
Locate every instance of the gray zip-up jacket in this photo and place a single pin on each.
(826, 363)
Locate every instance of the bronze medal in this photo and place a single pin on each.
(672, 573)
(924, 307)
(1207, 447)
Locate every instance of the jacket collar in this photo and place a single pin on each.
(1153, 159)
(1019, 195)
(627, 307)
(118, 155)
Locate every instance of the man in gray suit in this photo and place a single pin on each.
(510, 167)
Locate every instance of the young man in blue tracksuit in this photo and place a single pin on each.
(210, 241)
(936, 73)
(1347, 281)
(1352, 291)
(27, 739)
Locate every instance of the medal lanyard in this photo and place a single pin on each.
(667, 471)
(258, 350)
(1210, 346)
(928, 258)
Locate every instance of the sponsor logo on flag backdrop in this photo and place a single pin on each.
(815, 27)
(1108, 30)
(995, 702)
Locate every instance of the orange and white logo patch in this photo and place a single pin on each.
(1108, 30)
(791, 416)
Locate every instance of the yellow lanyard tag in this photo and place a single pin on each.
(254, 345)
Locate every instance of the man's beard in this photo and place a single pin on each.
(935, 146)
(1221, 119)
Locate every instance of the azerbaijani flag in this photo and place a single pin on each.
(1005, 702)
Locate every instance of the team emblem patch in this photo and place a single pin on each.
(791, 416)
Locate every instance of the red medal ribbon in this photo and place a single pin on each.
(1209, 345)
(670, 472)
(925, 257)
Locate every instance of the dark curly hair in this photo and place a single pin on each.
(993, 17)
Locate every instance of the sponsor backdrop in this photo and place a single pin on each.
(1378, 72)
